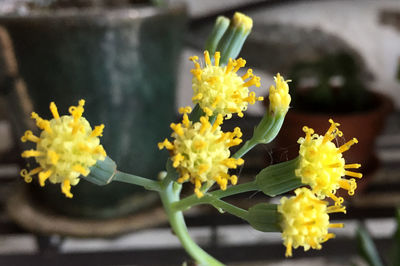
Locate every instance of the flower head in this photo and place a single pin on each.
(322, 165)
(200, 151)
(279, 96)
(65, 149)
(241, 20)
(305, 220)
(220, 90)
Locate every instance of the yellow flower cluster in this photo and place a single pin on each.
(65, 149)
(305, 220)
(200, 151)
(322, 165)
(220, 90)
(279, 97)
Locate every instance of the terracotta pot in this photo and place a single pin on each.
(365, 126)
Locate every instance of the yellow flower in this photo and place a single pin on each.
(65, 149)
(220, 90)
(241, 20)
(322, 165)
(279, 97)
(305, 220)
(200, 151)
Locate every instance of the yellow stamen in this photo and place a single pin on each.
(353, 166)
(248, 74)
(66, 188)
(29, 136)
(339, 225)
(347, 145)
(255, 80)
(335, 209)
(207, 58)
(80, 169)
(239, 64)
(31, 153)
(54, 157)
(54, 111)
(217, 57)
(177, 159)
(43, 176)
(288, 252)
(353, 174)
(203, 168)
(218, 121)
(97, 131)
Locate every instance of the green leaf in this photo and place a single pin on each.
(396, 245)
(367, 248)
(264, 217)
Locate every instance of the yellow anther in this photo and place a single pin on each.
(31, 153)
(43, 176)
(177, 128)
(97, 131)
(207, 58)
(239, 64)
(185, 110)
(248, 74)
(217, 57)
(353, 174)
(165, 144)
(66, 188)
(29, 136)
(347, 145)
(177, 159)
(54, 111)
(53, 156)
(80, 169)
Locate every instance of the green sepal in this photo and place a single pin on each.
(264, 217)
(268, 128)
(103, 172)
(220, 27)
(367, 248)
(231, 43)
(279, 178)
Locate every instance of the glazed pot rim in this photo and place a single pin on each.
(92, 15)
(384, 106)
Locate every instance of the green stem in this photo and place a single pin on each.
(137, 180)
(193, 200)
(170, 194)
(245, 148)
(220, 204)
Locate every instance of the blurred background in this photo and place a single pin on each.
(129, 60)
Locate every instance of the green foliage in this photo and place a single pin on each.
(331, 83)
(367, 248)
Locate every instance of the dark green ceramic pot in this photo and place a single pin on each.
(124, 63)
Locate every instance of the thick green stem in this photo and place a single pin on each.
(170, 194)
(193, 200)
(137, 180)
